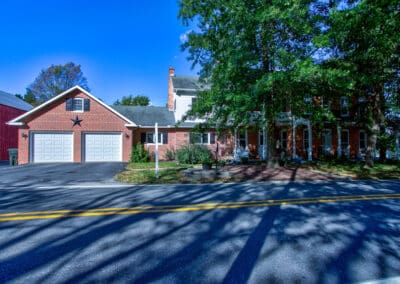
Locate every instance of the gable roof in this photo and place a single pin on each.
(188, 84)
(14, 102)
(19, 120)
(147, 116)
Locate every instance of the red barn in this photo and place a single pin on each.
(10, 108)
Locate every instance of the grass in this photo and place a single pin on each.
(358, 170)
(171, 172)
(144, 173)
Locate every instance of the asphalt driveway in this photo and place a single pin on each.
(59, 174)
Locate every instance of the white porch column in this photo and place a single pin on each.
(309, 140)
(339, 147)
(265, 147)
(397, 137)
(294, 140)
(235, 148)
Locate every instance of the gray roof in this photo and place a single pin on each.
(12, 101)
(188, 83)
(147, 115)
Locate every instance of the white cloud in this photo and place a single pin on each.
(185, 36)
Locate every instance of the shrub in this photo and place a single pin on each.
(139, 154)
(194, 154)
(170, 154)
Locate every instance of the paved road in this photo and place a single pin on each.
(227, 233)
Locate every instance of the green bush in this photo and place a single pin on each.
(194, 154)
(139, 154)
(170, 154)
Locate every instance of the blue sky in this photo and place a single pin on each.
(123, 47)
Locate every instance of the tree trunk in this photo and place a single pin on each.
(372, 134)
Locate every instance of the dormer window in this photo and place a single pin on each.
(77, 105)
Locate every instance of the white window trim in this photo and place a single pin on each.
(359, 141)
(160, 141)
(83, 104)
(345, 150)
(305, 137)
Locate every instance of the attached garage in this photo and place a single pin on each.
(51, 147)
(102, 147)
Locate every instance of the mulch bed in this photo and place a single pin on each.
(263, 173)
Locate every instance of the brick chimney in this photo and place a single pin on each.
(171, 73)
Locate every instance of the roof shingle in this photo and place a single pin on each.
(12, 101)
(147, 115)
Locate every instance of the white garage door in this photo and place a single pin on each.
(52, 147)
(103, 147)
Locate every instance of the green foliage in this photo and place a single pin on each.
(139, 154)
(170, 154)
(53, 81)
(133, 101)
(194, 154)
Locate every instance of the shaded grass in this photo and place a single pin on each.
(148, 176)
(161, 165)
(358, 170)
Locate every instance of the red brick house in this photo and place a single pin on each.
(10, 107)
(73, 127)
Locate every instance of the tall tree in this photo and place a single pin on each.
(56, 79)
(255, 54)
(364, 36)
(133, 101)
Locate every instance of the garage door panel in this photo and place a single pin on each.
(104, 147)
(52, 147)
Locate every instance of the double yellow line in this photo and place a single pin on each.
(21, 216)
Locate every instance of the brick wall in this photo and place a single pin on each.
(55, 118)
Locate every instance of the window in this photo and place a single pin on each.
(344, 106)
(261, 138)
(150, 138)
(325, 103)
(202, 138)
(242, 141)
(362, 141)
(345, 143)
(305, 140)
(77, 104)
(283, 139)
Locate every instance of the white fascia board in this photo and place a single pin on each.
(15, 123)
(17, 120)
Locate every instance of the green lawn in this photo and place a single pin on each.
(169, 172)
(358, 170)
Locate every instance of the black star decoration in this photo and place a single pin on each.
(76, 121)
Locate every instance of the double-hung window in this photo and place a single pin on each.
(344, 106)
(345, 143)
(77, 104)
(202, 138)
(150, 138)
(362, 141)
